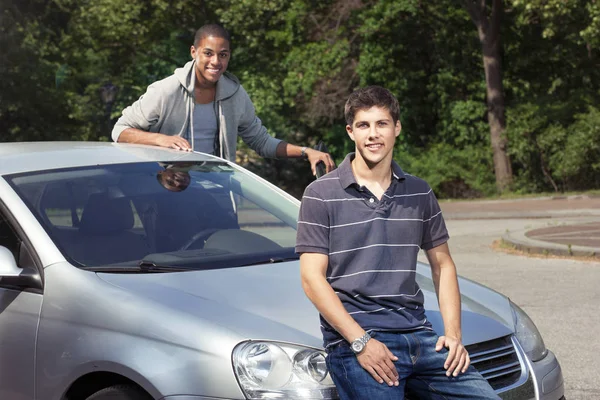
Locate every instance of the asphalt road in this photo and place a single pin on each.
(562, 296)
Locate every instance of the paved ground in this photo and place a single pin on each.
(575, 238)
(560, 294)
(544, 207)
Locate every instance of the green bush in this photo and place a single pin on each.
(452, 172)
(549, 155)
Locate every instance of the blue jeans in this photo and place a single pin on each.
(420, 368)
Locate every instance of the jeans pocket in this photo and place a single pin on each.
(340, 348)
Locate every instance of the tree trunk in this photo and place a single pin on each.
(488, 29)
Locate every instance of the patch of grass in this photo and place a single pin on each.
(503, 244)
(508, 248)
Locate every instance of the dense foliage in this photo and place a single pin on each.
(299, 60)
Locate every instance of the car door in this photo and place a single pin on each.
(19, 315)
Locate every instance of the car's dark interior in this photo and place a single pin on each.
(105, 220)
(105, 232)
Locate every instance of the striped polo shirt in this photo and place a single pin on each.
(372, 245)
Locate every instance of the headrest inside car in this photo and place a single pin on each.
(103, 215)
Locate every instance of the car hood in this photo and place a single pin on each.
(267, 302)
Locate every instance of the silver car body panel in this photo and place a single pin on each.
(269, 292)
(19, 316)
(167, 343)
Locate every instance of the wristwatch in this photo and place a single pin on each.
(303, 152)
(359, 344)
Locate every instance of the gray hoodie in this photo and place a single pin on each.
(168, 106)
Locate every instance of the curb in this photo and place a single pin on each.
(525, 199)
(522, 214)
(576, 197)
(521, 242)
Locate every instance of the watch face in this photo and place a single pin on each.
(357, 346)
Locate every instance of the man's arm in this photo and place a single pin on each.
(286, 150)
(136, 120)
(255, 135)
(446, 287)
(133, 135)
(376, 357)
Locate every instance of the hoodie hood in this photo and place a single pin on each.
(227, 85)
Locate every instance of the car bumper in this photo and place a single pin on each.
(540, 380)
(548, 378)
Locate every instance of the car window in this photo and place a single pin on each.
(255, 219)
(10, 239)
(132, 213)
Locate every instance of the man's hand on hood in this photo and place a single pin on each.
(173, 142)
(133, 135)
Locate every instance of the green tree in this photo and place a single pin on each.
(488, 20)
(552, 81)
(32, 105)
(533, 102)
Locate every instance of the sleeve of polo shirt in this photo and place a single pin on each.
(434, 226)
(313, 225)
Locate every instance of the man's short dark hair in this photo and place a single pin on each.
(207, 30)
(371, 96)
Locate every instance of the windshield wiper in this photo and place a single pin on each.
(146, 266)
(187, 261)
(142, 267)
(270, 260)
(207, 259)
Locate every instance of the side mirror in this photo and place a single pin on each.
(11, 274)
(8, 264)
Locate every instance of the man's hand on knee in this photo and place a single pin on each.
(378, 360)
(458, 358)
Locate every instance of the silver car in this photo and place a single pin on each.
(134, 272)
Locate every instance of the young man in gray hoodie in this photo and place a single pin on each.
(204, 108)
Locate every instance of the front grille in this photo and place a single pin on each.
(497, 361)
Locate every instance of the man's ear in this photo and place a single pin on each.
(193, 52)
(398, 128)
(350, 132)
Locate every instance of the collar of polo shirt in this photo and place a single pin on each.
(347, 176)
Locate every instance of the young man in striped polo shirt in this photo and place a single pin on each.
(359, 233)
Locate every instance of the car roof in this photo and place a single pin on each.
(20, 157)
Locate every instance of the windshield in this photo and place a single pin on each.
(192, 215)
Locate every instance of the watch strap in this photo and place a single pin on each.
(303, 152)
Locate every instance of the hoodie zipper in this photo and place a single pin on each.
(191, 131)
(218, 146)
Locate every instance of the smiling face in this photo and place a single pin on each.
(174, 181)
(212, 57)
(374, 133)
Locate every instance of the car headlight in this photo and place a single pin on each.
(528, 335)
(269, 370)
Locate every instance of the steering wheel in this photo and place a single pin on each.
(202, 235)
